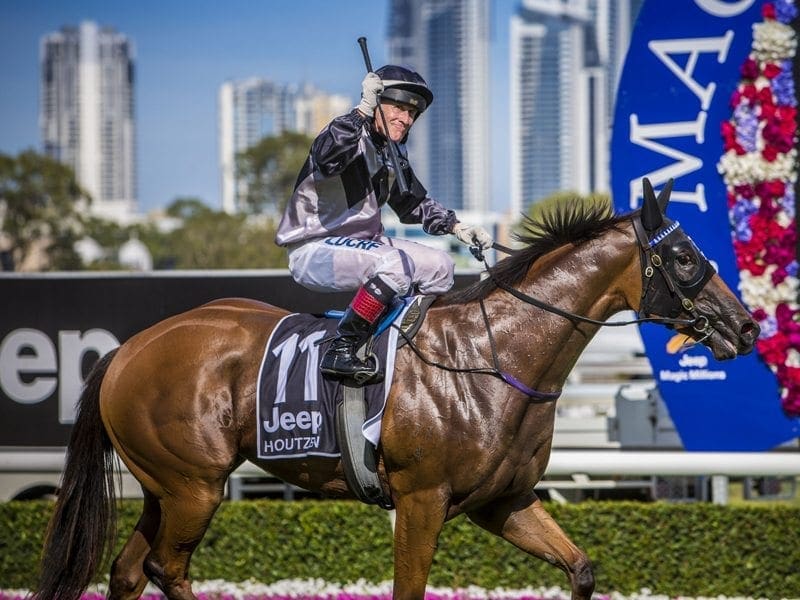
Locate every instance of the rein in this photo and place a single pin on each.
(699, 323)
(494, 371)
(477, 253)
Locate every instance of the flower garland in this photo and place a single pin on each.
(759, 169)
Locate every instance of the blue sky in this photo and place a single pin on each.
(186, 49)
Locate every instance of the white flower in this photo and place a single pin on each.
(759, 291)
(792, 358)
(773, 41)
(752, 168)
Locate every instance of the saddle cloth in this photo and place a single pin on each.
(296, 405)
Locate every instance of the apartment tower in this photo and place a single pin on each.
(253, 108)
(566, 57)
(447, 42)
(86, 113)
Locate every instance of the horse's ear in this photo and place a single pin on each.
(663, 196)
(652, 215)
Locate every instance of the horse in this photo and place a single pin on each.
(177, 403)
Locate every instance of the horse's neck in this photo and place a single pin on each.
(594, 280)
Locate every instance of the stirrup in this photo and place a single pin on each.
(364, 377)
(359, 378)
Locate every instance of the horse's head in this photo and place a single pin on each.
(678, 282)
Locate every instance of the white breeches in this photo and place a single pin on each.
(339, 264)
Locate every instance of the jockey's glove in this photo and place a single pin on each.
(371, 89)
(473, 236)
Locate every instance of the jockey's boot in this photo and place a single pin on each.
(360, 320)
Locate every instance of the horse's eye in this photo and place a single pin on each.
(685, 259)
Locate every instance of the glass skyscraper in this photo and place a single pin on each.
(447, 42)
(566, 57)
(86, 113)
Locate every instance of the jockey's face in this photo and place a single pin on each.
(399, 119)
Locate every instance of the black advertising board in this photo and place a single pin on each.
(54, 326)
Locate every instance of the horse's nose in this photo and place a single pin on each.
(748, 334)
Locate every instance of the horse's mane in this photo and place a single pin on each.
(570, 222)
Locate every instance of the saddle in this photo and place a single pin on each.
(360, 458)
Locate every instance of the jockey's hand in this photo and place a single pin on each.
(371, 89)
(473, 236)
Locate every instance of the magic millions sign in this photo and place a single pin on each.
(685, 64)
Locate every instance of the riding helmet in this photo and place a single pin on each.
(406, 86)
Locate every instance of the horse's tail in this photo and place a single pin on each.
(83, 524)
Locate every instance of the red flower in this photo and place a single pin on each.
(776, 188)
(765, 95)
(791, 404)
(778, 275)
(749, 69)
(749, 91)
(771, 70)
(768, 10)
(785, 316)
(745, 190)
(789, 379)
(763, 190)
(748, 262)
(785, 118)
(773, 349)
(728, 135)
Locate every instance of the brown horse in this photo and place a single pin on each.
(177, 402)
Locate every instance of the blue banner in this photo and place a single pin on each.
(691, 105)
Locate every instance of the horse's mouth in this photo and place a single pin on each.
(721, 347)
(726, 338)
(725, 348)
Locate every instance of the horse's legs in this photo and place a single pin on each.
(419, 520)
(185, 515)
(127, 573)
(524, 522)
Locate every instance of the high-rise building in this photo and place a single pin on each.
(86, 113)
(566, 57)
(551, 93)
(614, 22)
(447, 42)
(253, 108)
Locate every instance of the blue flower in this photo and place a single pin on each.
(746, 126)
(769, 327)
(785, 10)
(783, 85)
(788, 202)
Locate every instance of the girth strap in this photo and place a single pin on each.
(359, 457)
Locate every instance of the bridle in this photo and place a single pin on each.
(671, 297)
(660, 303)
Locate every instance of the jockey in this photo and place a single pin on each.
(332, 224)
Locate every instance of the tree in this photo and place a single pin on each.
(270, 168)
(209, 239)
(40, 202)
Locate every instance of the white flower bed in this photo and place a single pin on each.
(318, 589)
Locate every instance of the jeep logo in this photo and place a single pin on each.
(30, 368)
